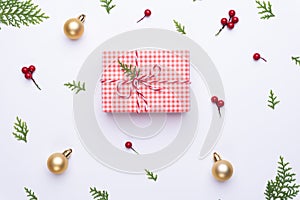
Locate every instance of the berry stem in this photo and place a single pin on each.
(134, 150)
(36, 84)
(220, 30)
(141, 19)
(263, 59)
(219, 111)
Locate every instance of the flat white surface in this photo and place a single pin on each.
(253, 136)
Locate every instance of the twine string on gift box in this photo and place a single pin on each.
(135, 86)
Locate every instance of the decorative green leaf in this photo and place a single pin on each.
(98, 195)
(106, 5)
(16, 13)
(272, 100)
(21, 130)
(76, 86)
(130, 71)
(284, 186)
(179, 27)
(151, 175)
(266, 10)
(30, 194)
(297, 60)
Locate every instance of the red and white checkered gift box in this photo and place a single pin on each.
(159, 84)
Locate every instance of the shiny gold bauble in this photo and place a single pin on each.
(74, 28)
(58, 162)
(222, 170)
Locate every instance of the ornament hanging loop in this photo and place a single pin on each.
(217, 157)
(67, 153)
(81, 17)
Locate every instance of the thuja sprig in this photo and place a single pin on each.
(283, 187)
(151, 175)
(16, 13)
(272, 100)
(107, 5)
(21, 130)
(179, 27)
(130, 71)
(98, 195)
(266, 9)
(76, 86)
(296, 59)
(30, 194)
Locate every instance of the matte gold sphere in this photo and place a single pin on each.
(222, 170)
(74, 28)
(58, 162)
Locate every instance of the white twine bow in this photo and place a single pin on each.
(135, 84)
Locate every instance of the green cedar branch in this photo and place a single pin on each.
(151, 175)
(266, 9)
(296, 59)
(21, 130)
(107, 5)
(76, 86)
(30, 194)
(283, 187)
(98, 195)
(272, 100)
(130, 71)
(179, 27)
(16, 13)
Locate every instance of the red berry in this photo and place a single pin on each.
(220, 103)
(230, 25)
(147, 12)
(28, 75)
(223, 21)
(128, 145)
(214, 99)
(31, 68)
(235, 20)
(256, 56)
(231, 13)
(24, 70)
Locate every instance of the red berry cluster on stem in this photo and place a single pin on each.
(219, 103)
(28, 71)
(230, 22)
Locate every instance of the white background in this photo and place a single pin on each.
(253, 137)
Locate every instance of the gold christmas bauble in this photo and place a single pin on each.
(222, 170)
(58, 162)
(74, 28)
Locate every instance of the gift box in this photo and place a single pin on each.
(146, 81)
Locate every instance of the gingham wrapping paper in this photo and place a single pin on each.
(174, 97)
